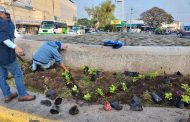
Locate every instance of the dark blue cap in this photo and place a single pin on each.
(58, 43)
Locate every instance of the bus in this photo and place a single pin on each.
(52, 27)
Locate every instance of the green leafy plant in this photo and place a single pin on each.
(84, 67)
(185, 98)
(67, 76)
(75, 89)
(100, 92)
(186, 88)
(112, 89)
(186, 95)
(123, 86)
(87, 97)
(92, 71)
(168, 96)
(153, 75)
(139, 77)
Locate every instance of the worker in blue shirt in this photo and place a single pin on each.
(48, 55)
(8, 63)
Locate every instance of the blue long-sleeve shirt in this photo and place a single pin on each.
(7, 54)
(47, 52)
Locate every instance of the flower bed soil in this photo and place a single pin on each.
(43, 80)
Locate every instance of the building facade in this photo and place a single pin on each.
(28, 14)
(174, 26)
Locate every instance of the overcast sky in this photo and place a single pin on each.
(179, 9)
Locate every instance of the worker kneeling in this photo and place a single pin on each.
(47, 55)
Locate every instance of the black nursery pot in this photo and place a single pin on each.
(85, 71)
(58, 101)
(186, 104)
(74, 110)
(46, 103)
(93, 77)
(156, 98)
(75, 94)
(70, 85)
(55, 110)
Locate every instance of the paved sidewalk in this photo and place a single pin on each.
(88, 113)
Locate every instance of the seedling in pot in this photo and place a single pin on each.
(85, 69)
(123, 86)
(168, 96)
(178, 93)
(186, 88)
(185, 99)
(67, 76)
(87, 97)
(75, 89)
(100, 92)
(139, 77)
(93, 74)
(112, 89)
(92, 71)
(93, 77)
(153, 75)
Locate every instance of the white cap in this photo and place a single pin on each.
(2, 9)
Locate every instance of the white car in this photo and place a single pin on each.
(71, 32)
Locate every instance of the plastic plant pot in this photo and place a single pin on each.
(107, 106)
(93, 77)
(46, 103)
(51, 94)
(180, 105)
(58, 101)
(85, 71)
(74, 110)
(156, 98)
(54, 110)
(116, 105)
(136, 104)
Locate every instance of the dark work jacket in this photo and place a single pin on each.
(11, 29)
(7, 55)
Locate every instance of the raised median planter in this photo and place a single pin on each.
(168, 59)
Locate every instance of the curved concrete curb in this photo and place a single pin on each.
(143, 59)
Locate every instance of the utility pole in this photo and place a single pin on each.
(131, 18)
(53, 9)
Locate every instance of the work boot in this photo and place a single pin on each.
(27, 98)
(11, 97)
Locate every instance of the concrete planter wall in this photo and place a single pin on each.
(133, 58)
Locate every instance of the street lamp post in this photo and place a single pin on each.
(131, 19)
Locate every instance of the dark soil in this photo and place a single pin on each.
(52, 78)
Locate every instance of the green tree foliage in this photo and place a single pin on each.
(155, 16)
(103, 13)
(84, 22)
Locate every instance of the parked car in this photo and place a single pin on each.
(71, 32)
(184, 32)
